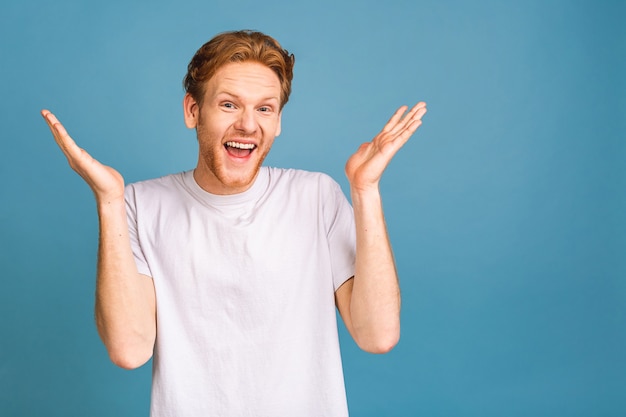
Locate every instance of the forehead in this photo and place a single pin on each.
(244, 79)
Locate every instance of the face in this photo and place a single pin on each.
(236, 125)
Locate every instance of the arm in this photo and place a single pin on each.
(369, 303)
(125, 299)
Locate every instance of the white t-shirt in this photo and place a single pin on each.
(246, 322)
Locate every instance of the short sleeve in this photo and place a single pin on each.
(339, 218)
(133, 230)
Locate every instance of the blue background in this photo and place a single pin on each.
(506, 209)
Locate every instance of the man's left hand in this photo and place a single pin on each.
(367, 165)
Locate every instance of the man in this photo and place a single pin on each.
(237, 267)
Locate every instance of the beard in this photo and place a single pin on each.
(218, 178)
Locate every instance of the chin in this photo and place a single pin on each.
(238, 183)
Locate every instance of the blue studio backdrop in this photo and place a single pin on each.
(506, 209)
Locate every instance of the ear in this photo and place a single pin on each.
(190, 110)
(278, 127)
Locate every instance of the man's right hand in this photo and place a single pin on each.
(125, 299)
(106, 183)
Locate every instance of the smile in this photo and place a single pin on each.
(241, 145)
(239, 150)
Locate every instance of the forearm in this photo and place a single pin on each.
(370, 304)
(375, 301)
(125, 301)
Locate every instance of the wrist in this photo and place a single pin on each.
(110, 204)
(365, 194)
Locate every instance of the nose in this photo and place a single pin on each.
(246, 121)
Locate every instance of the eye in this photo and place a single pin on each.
(265, 109)
(228, 105)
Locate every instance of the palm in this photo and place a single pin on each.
(367, 165)
(106, 183)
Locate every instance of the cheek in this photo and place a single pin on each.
(271, 128)
(213, 130)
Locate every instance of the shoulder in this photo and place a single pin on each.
(310, 188)
(156, 187)
(300, 178)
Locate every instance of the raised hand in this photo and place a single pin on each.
(367, 165)
(106, 183)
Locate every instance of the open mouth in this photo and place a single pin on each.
(239, 150)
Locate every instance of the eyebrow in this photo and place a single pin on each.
(239, 98)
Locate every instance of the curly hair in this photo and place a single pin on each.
(239, 46)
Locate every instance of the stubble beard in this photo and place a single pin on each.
(234, 181)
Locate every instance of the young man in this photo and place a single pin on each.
(238, 267)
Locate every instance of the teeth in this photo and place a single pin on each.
(241, 145)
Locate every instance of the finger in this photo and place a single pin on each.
(415, 116)
(419, 110)
(393, 121)
(57, 129)
(50, 118)
(392, 146)
(62, 138)
(416, 113)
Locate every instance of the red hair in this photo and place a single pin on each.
(238, 46)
